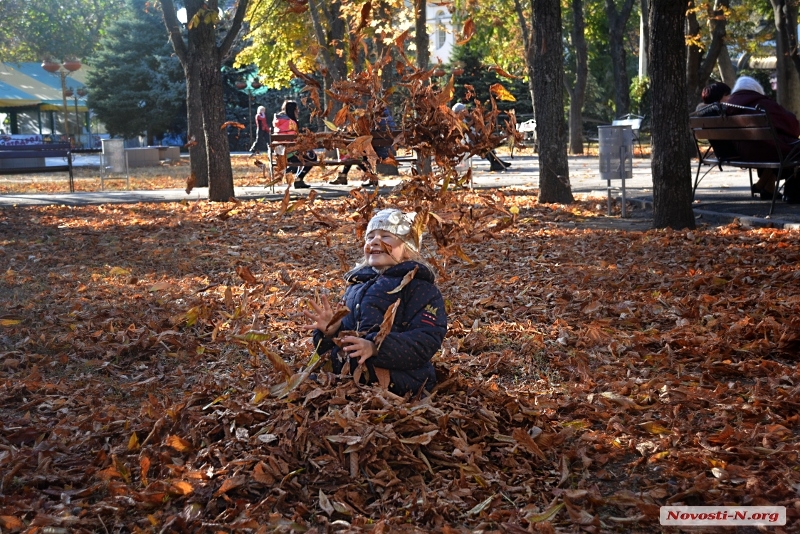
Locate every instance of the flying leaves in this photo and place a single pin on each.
(501, 93)
(467, 33)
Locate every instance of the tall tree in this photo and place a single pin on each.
(700, 65)
(577, 92)
(202, 58)
(33, 30)
(525, 21)
(788, 64)
(672, 185)
(548, 64)
(617, 21)
(136, 84)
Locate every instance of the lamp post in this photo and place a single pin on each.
(63, 69)
(80, 92)
(254, 85)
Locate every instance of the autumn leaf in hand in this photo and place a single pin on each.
(339, 315)
(344, 333)
(386, 325)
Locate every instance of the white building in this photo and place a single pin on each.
(441, 32)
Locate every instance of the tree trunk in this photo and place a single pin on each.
(727, 72)
(422, 42)
(527, 42)
(671, 167)
(421, 38)
(201, 58)
(617, 20)
(577, 94)
(548, 64)
(195, 137)
(700, 67)
(788, 60)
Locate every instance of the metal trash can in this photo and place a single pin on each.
(113, 160)
(615, 146)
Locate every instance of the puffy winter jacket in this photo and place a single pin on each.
(283, 124)
(419, 327)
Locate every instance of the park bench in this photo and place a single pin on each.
(30, 159)
(720, 130)
(285, 143)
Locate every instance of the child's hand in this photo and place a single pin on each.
(358, 347)
(321, 317)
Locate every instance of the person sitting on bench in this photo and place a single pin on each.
(385, 124)
(495, 163)
(285, 122)
(749, 93)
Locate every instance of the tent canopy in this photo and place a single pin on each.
(28, 85)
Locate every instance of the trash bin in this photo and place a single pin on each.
(113, 160)
(615, 146)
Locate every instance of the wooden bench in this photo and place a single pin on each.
(30, 159)
(280, 144)
(725, 127)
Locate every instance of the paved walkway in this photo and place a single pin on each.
(721, 197)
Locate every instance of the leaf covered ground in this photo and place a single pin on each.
(153, 373)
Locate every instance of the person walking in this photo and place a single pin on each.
(261, 143)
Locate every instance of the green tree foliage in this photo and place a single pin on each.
(277, 37)
(136, 84)
(32, 30)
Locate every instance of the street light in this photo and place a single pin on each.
(63, 69)
(255, 85)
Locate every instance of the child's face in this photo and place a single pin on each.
(383, 249)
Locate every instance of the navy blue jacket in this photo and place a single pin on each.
(420, 324)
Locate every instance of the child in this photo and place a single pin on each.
(391, 251)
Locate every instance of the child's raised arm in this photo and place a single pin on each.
(321, 317)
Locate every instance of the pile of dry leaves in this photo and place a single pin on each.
(154, 375)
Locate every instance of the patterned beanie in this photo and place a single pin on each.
(398, 223)
(746, 83)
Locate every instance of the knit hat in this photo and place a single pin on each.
(398, 223)
(746, 83)
(459, 107)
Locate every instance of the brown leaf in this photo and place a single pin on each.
(384, 377)
(467, 32)
(178, 443)
(245, 274)
(500, 72)
(386, 325)
(229, 484)
(405, 281)
(340, 314)
(501, 93)
(277, 362)
(191, 181)
(233, 124)
(526, 442)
